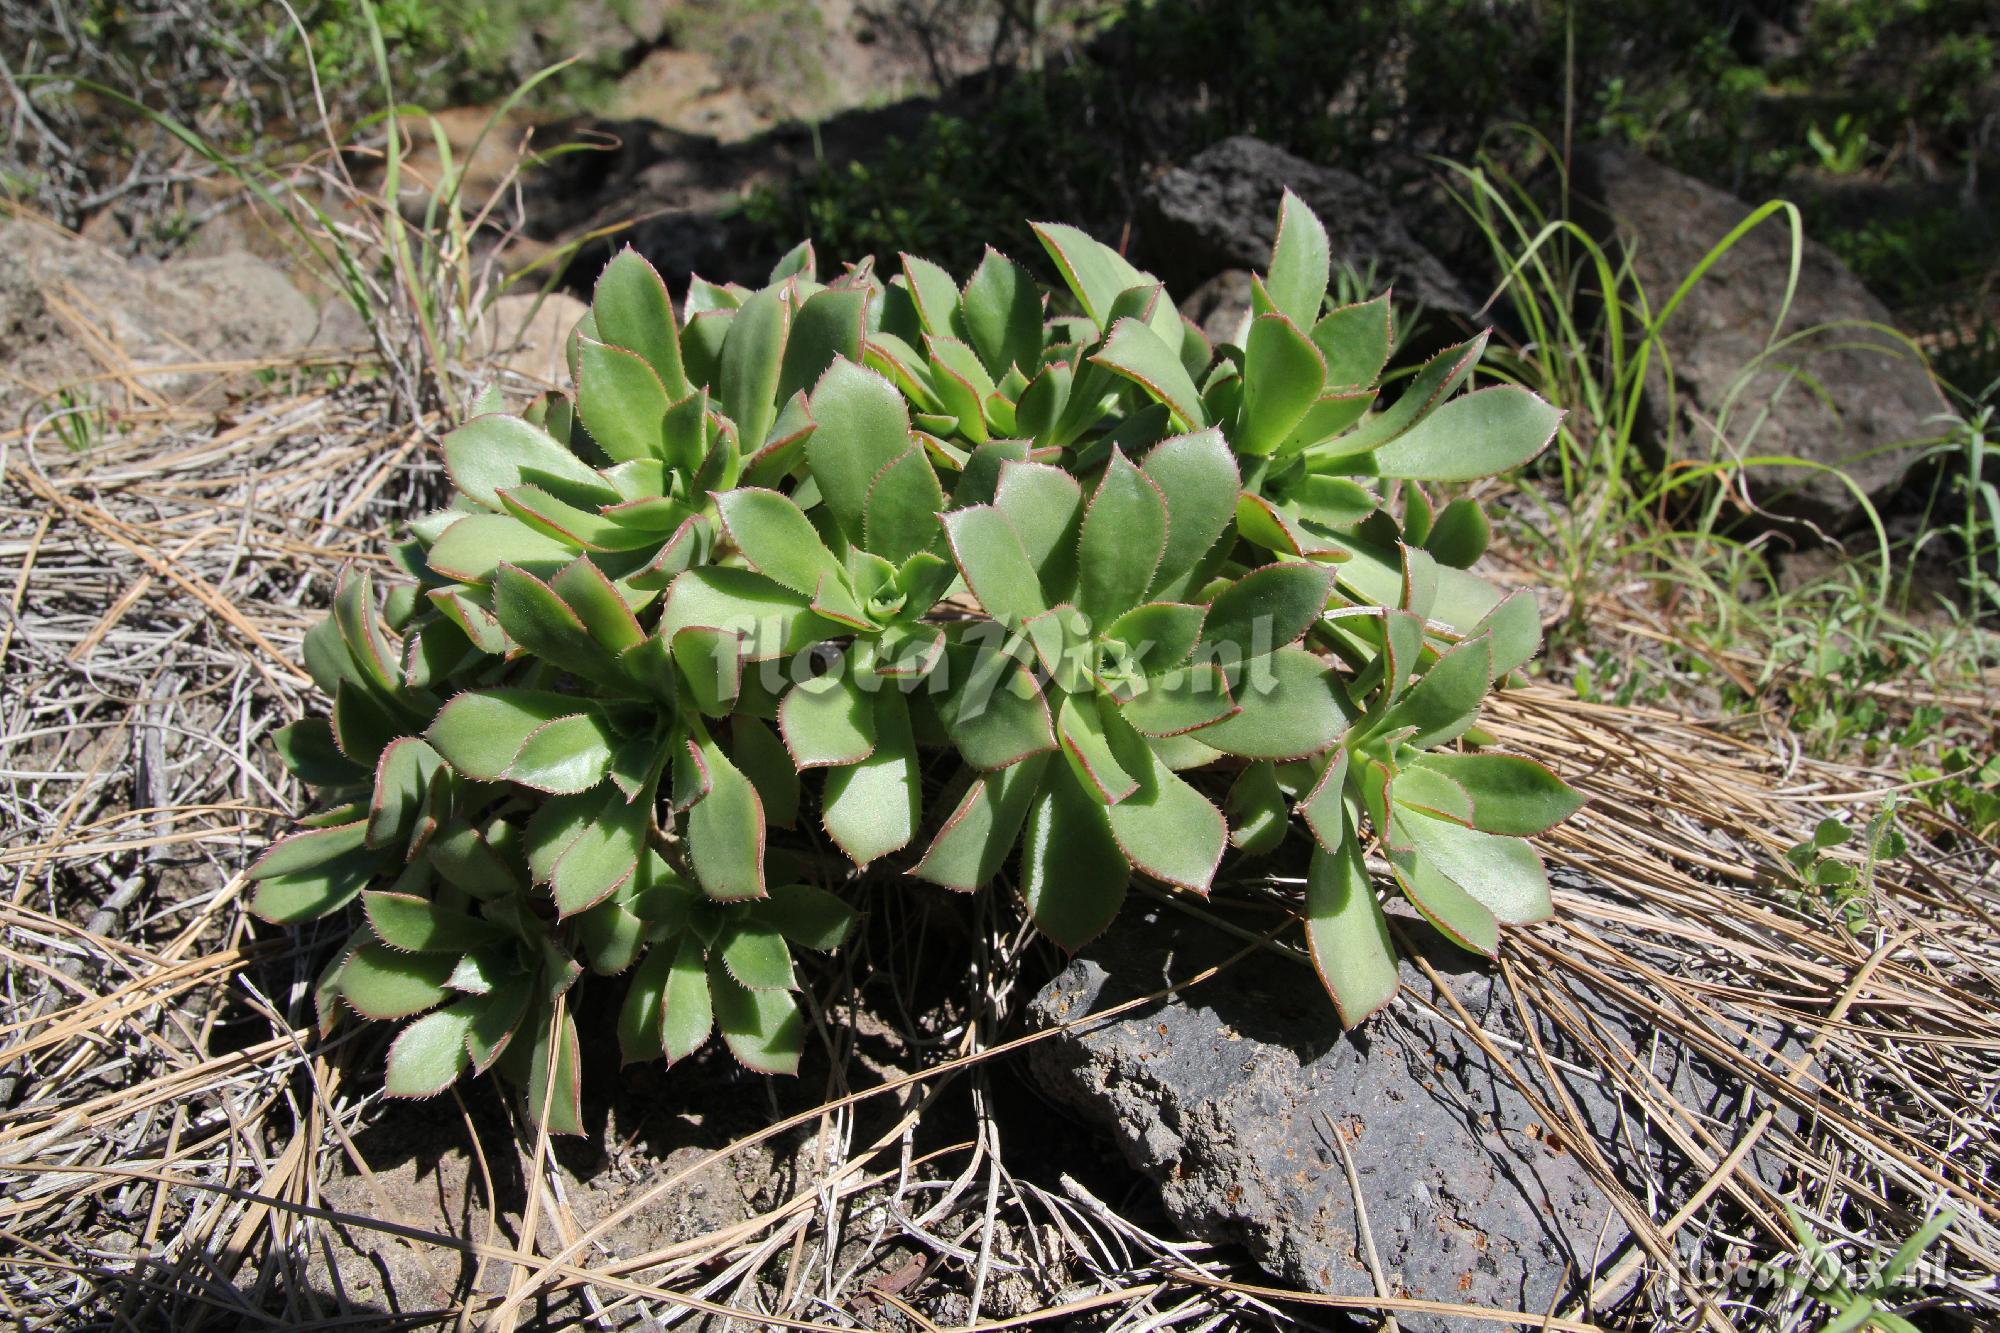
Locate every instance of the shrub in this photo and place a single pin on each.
(1093, 570)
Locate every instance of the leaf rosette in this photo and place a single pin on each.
(1049, 584)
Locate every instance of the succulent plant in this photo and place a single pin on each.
(1087, 570)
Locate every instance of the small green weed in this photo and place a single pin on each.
(1839, 885)
(1864, 1307)
(77, 419)
(1965, 786)
(1845, 150)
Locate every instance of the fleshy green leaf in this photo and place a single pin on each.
(1044, 506)
(1510, 795)
(497, 1022)
(764, 760)
(582, 529)
(979, 479)
(1088, 748)
(466, 860)
(934, 294)
(429, 1054)
(417, 925)
(480, 731)
(604, 855)
(828, 327)
(756, 955)
(1490, 431)
(873, 807)
(1439, 377)
(606, 615)
(639, 1017)
(1137, 353)
(1347, 935)
(1282, 375)
(1094, 271)
(621, 401)
(478, 544)
(1332, 502)
(1324, 808)
(1503, 875)
(555, 1087)
(1123, 537)
(1330, 414)
(969, 849)
(809, 917)
(687, 1012)
(1460, 917)
(1197, 476)
(633, 312)
(899, 515)
(725, 829)
(996, 568)
(1043, 406)
(1265, 610)
(1073, 874)
(772, 620)
(777, 538)
(752, 355)
(497, 452)
(313, 874)
(543, 623)
(799, 261)
(1002, 311)
(1445, 700)
(861, 425)
(1289, 709)
(570, 754)
(308, 750)
(1165, 827)
(1356, 341)
(828, 721)
(762, 1027)
(610, 935)
(1429, 792)
(1257, 812)
(1514, 628)
(379, 982)
(702, 337)
(1300, 262)
(1186, 699)
(1459, 534)
(1159, 635)
(995, 712)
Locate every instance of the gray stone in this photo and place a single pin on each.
(71, 310)
(526, 333)
(1219, 306)
(1228, 1097)
(1220, 211)
(1862, 398)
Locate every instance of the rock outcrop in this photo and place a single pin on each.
(1219, 211)
(71, 311)
(1841, 392)
(1230, 1096)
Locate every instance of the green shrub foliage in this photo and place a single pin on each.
(1042, 585)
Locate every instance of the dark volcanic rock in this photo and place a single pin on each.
(1220, 211)
(1862, 396)
(1228, 1097)
(1219, 306)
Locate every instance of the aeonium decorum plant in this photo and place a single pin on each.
(1002, 591)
